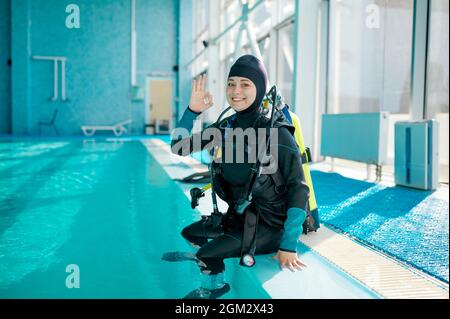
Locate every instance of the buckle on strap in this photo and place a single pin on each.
(306, 156)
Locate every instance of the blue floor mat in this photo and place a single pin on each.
(411, 225)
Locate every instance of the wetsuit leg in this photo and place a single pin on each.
(212, 254)
(199, 232)
(228, 245)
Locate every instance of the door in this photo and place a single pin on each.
(160, 100)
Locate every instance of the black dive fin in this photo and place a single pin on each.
(178, 256)
(202, 293)
(200, 177)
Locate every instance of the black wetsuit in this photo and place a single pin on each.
(219, 243)
(279, 199)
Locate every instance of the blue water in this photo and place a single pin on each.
(411, 225)
(110, 209)
(107, 207)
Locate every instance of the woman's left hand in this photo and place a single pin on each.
(289, 260)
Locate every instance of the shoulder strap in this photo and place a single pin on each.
(278, 178)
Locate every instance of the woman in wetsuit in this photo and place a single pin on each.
(279, 200)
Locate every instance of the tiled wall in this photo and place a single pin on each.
(98, 55)
(5, 69)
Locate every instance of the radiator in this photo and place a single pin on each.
(360, 137)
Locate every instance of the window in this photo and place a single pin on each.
(201, 23)
(437, 96)
(264, 48)
(285, 62)
(438, 52)
(231, 11)
(262, 21)
(286, 9)
(261, 18)
(225, 66)
(370, 56)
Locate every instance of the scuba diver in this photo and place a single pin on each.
(266, 211)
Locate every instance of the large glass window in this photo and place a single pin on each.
(201, 23)
(264, 21)
(264, 48)
(231, 11)
(285, 61)
(437, 97)
(225, 66)
(261, 18)
(286, 9)
(370, 56)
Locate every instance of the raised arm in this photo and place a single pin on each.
(183, 143)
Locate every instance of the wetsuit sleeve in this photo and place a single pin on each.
(290, 165)
(182, 142)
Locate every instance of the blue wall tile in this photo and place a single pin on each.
(5, 70)
(98, 60)
(20, 53)
(185, 54)
(156, 28)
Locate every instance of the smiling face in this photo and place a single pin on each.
(241, 93)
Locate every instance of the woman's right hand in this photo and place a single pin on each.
(200, 100)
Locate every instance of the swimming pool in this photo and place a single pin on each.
(109, 208)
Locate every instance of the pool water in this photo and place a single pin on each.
(106, 207)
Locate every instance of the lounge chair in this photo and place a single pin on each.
(118, 129)
(51, 122)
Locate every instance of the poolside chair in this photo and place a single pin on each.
(49, 123)
(118, 129)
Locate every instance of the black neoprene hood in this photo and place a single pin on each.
(250, 67)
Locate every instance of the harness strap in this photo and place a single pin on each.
(278, 178)
(249, 233)
(306, 156)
